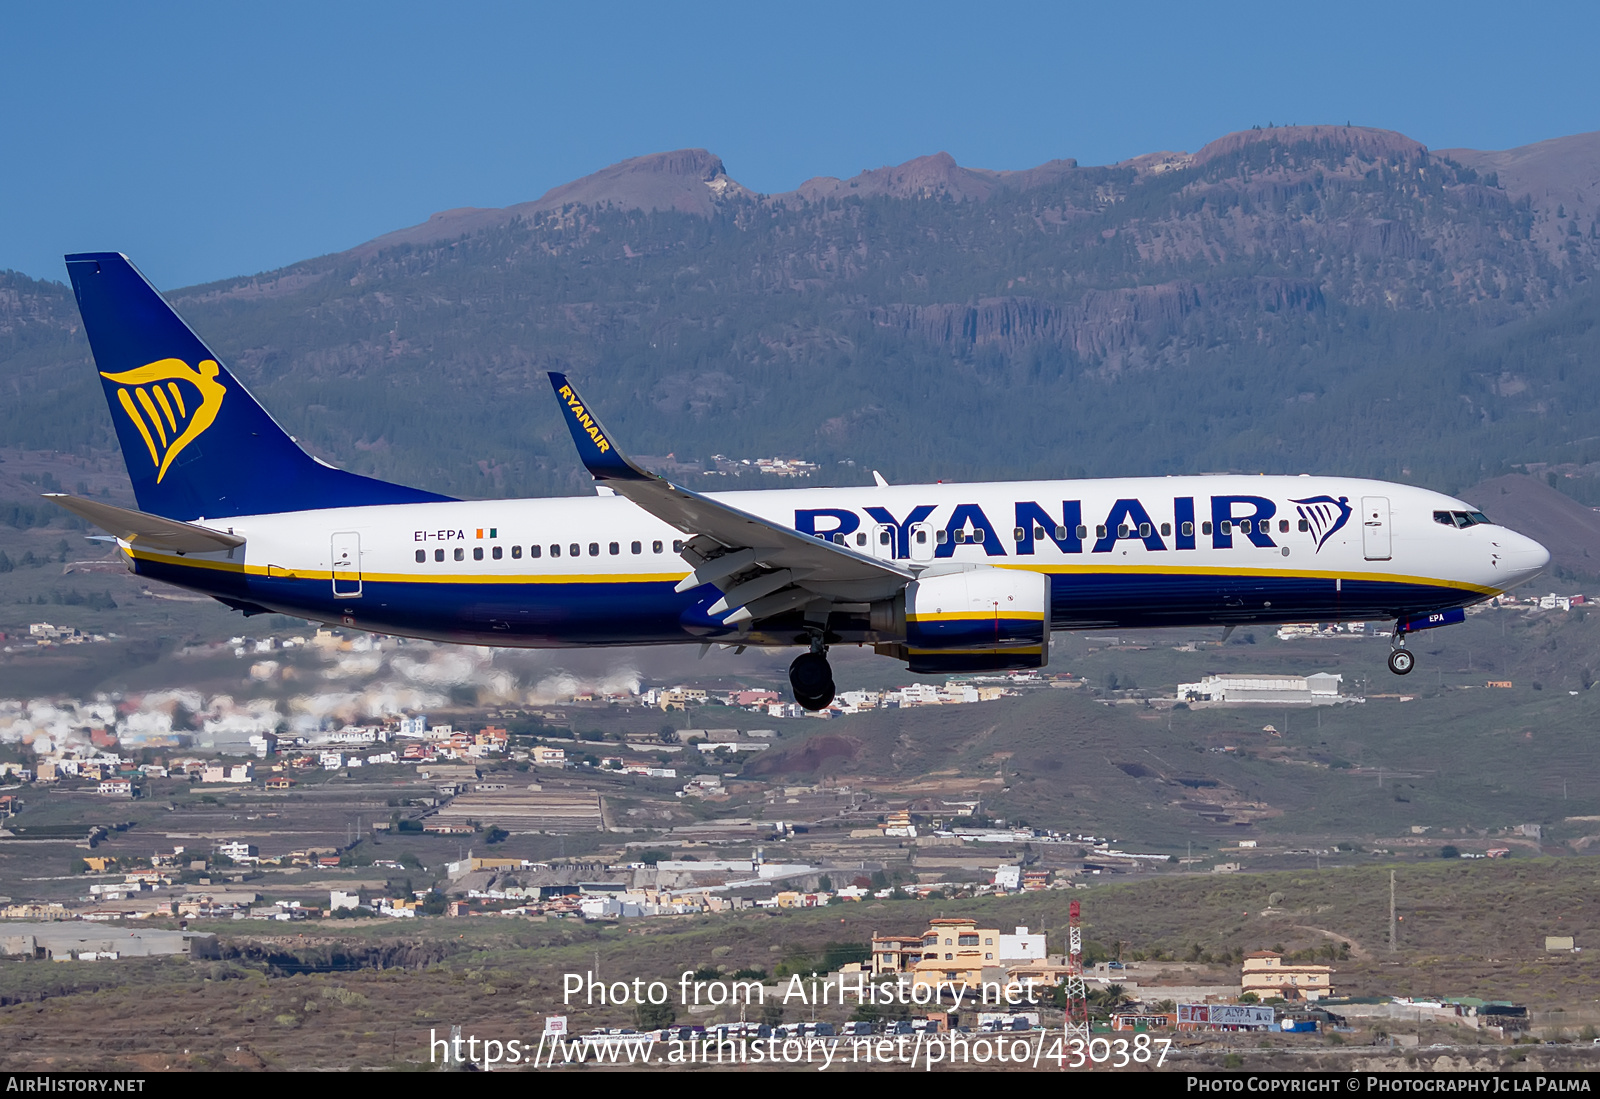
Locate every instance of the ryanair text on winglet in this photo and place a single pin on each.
(585, 419)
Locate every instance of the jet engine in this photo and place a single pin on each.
(976, 620)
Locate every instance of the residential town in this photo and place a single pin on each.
(342, 778)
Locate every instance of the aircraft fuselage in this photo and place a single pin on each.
(1123, 552)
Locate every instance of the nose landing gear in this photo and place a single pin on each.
(811, 677)
(1401, 661)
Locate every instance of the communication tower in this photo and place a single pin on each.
(1077, 1014)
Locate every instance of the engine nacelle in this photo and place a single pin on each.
(978, 620)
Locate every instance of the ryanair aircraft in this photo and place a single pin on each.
(946, 577)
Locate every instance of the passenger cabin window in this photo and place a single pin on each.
(422, 555)
(1283, 526)
(1061, 534)
(1244, 526)
(1227, 526)
(941, 536)
(838, 540)
(1188, 530)
(1166, 530)
(477, 553)
(534, 551)
(883, 538)
(922, 537)
(1100, 531)
(1083, 532)
(1205, 527)
(615, 548)
(1305, 525)
(438, 555)
(961, 536)
(555, 549)
(1144, 530)
(637, 547)
(574, 550)
(497, 553)
(516, 552)
(1122, 530)
(594, 549)
(861, 537)
(677, 545)
(461, 554)
(655, 547)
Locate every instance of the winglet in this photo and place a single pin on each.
(600, 456)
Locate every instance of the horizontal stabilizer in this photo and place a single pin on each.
(147, 531)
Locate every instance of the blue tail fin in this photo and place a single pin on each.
(197, 445)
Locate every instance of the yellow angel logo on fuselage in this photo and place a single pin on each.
(155, 401)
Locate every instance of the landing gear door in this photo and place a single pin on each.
(921, 538)
(883, 539)
(347, 565)
(1375, 527)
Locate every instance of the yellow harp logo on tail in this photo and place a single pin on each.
(171, 403)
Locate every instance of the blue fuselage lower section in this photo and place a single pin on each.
(648, 612)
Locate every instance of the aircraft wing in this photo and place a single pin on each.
(147, 531)
(762, 567)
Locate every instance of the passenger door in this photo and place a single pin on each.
(347, 565)
(1375, 527)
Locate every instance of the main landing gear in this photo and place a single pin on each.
(811, 677)
(1400, 659)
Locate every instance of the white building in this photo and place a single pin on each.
(1008, 878)
(1319, 689)
(918, 694)
(1022, 947)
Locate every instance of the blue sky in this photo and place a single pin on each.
(210, 140)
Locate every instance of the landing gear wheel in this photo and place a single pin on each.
(1401, 661)
(812, 681)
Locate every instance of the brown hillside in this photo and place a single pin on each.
(689, 181)
(1568, 529)
(1360, 142)
(1559, 176)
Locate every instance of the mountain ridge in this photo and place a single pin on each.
(1289, 299)
(1529, 169)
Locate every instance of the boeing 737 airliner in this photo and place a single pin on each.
(946, 577)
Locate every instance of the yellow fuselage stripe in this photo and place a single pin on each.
(674, 577)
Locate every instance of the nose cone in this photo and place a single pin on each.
(1521, 558)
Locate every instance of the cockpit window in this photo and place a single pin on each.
(1460, 518)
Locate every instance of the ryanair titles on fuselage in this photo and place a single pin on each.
(1223, 517)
